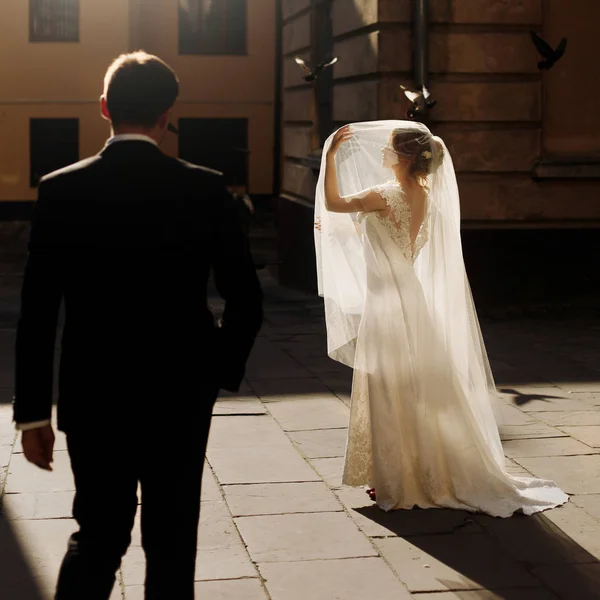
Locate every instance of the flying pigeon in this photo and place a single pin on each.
(550, 56)
(312, 74)
(421, 101)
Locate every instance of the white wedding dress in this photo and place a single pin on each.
(413, 434)
(399, 311)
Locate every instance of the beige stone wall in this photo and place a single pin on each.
(495, 108)
(65, 80)
(497, 113)
(47, 80)
(298, 181)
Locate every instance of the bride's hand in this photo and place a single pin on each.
(341, 136)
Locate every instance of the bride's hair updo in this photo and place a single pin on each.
(427, 151)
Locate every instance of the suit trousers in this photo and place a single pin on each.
(108, 463)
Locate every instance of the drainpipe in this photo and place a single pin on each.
(278, 98)
(421, 52)
(421, 25)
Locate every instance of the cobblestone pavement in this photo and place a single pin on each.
(276, 522)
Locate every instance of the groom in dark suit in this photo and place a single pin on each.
(127, 239)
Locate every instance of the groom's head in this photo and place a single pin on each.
(139, 92)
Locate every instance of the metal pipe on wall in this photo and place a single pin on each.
(278, 97)
(421, 49)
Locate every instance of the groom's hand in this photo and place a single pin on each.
(38, 446)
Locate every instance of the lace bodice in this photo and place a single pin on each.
(397, 220)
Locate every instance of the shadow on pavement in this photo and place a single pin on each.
(16, 579)
(521, 399)
(516, 557)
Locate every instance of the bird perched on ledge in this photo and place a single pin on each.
(313, 74)
(549, 54)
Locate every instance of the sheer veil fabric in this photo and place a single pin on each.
(399, 311)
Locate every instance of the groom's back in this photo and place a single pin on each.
(137, 229)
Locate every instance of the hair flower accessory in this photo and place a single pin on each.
(426, 154)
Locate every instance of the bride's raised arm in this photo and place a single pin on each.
(366, 201)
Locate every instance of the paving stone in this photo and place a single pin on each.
(246, 432)
(5, 454)
(453, 562)
(42, 546)
(523, 394)
(221, 551)
(576, 418)
(210, 487)
(571, 582)
(582, 529)
(269, 362)
(280, 498)
(328, 443)
(515, 594)
(350, 579)
(564, 535)
(305, 414)
(588, 502)
(7, 427)
(375, 522)
(583, 385)
(573, 474)
(588, 434)
(551, 404)
(545, 447)
(330, 469)
(508, 376)
(23, 477)
(231, 562)
(217, 529)
(245, 391)
(532, 431)
(279, 538)
(275, 390)
(514, 468)
(259, 465)
(511, 416)
(592, 398)
(239, 406)
(43, 505)
(248, 589)
(133, 567)
(340, 384)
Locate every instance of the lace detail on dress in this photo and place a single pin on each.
(397, 221)
(422, 237)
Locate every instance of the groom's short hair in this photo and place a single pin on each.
(139, 88)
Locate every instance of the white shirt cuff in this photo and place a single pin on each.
(32, 425)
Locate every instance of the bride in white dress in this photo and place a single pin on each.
(423, 426)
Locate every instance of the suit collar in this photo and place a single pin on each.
(131, 147)
(130, 137)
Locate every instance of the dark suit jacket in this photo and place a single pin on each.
(127, 239)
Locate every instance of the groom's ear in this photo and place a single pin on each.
(164, 120)
(104, 108)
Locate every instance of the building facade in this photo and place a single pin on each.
(55, 54)
(525, 142)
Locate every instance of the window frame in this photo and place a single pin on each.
(35, 175)
(185, 48)
(36, 5)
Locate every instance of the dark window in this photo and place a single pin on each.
(53, 20)
(322, 50)
(54, 143)
(212, 26)
(220, 144)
